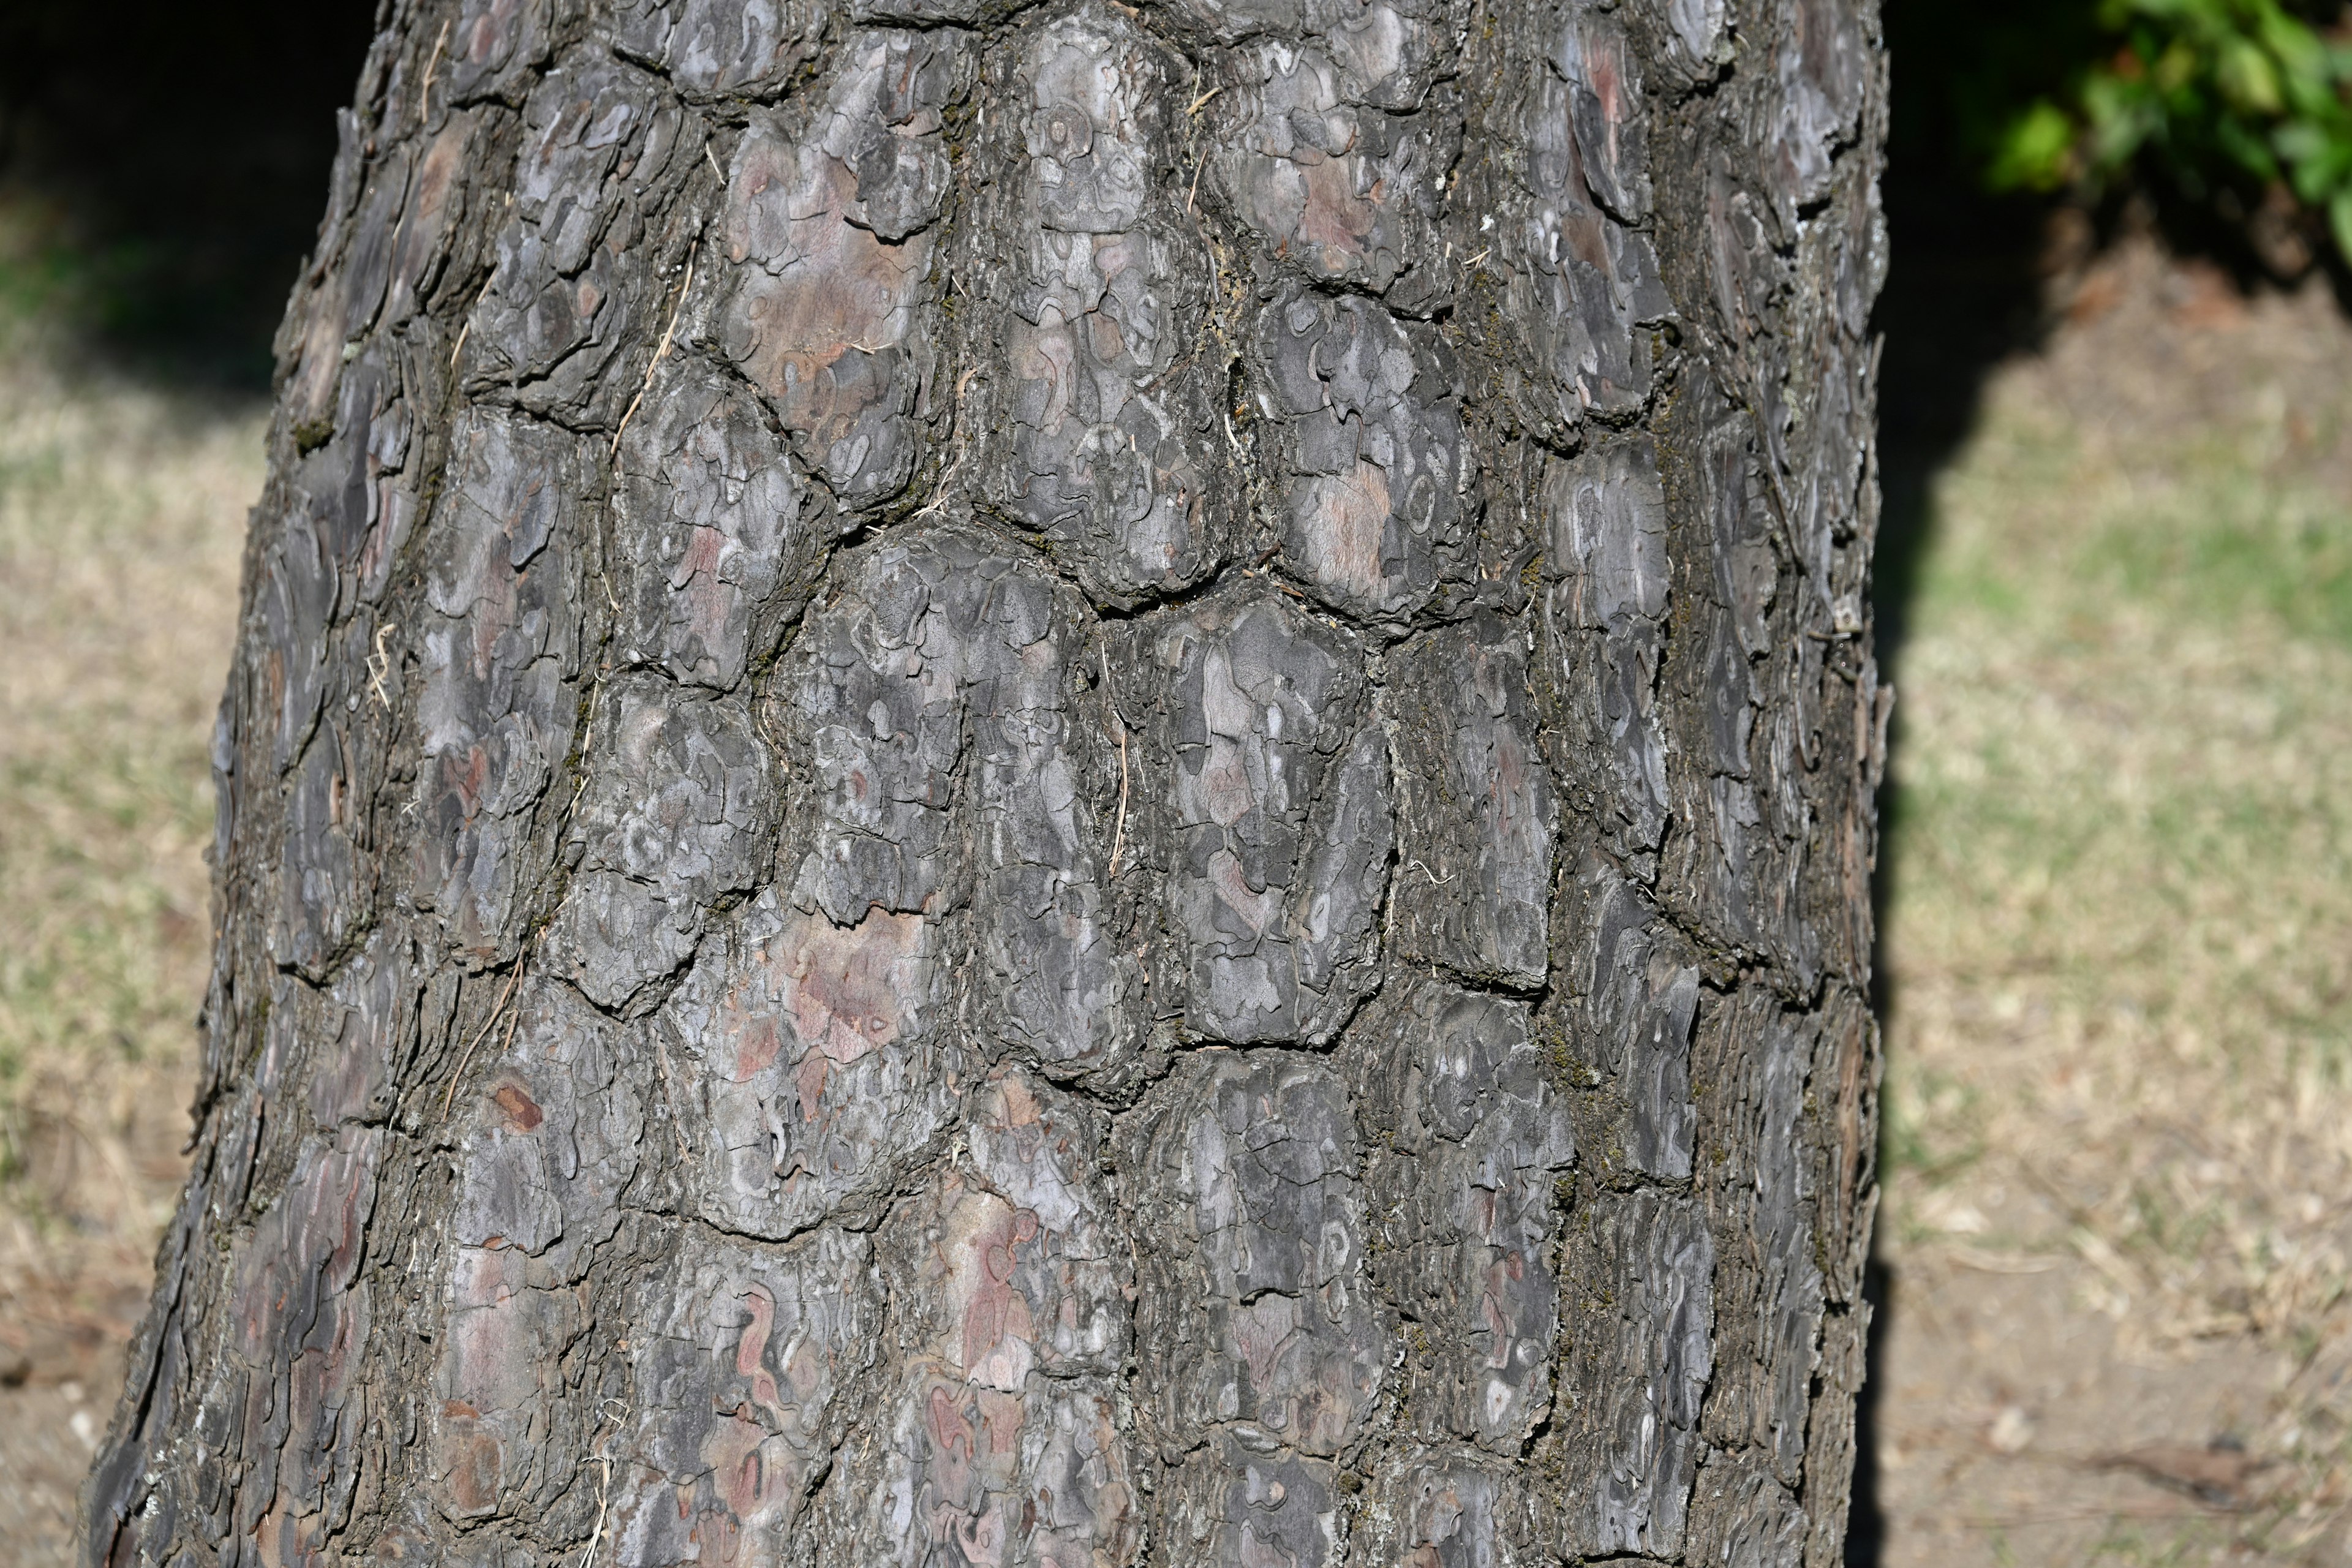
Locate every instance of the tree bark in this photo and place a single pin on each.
(1070, 785)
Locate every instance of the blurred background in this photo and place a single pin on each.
(2114, 593)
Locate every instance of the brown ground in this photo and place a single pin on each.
(2120, 932)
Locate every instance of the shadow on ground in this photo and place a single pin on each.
(1965, 291)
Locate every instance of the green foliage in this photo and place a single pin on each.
(2208, 94)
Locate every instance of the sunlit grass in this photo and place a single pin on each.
(120, 520)
(2127, 759)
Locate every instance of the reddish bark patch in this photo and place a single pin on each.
(828, 289)
(1342, 528)
(1336, 222)
(517, 1110)
(849, 990)
(756, 1047)
(473, 1478)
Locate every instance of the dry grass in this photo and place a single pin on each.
(2120, 1213)
(122, 513)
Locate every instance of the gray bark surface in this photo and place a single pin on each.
(1080, 785)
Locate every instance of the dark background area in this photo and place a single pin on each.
(171, 157)
(1966, 285)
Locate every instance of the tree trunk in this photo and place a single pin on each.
(1078, 785)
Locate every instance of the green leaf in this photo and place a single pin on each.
(2315, 158)
(2123, 117)
(2176, 68)
(2248, 78)
(2036, 152)
(2339, 222)
(2206, 95)
(2303, 60)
